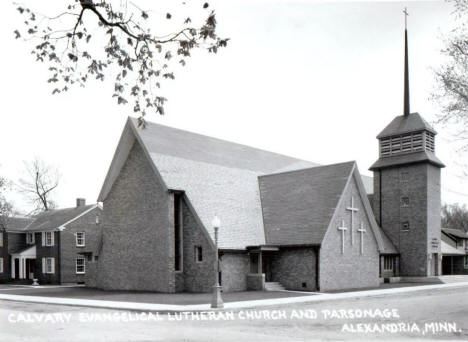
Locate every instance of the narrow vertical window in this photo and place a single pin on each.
(198, 254)
(177, 232)
(1, 265)
(1, 239)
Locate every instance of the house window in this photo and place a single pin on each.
(405, 226)
(29, 238)
(1, 265)
(405, 201)
(48, 265)
(48, 238)
(388, 263)
(80, 266)
(1, 239)
(466, 261)
(80, 239)
(198, 254)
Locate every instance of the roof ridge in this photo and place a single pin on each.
(133, 120)
(352, 162)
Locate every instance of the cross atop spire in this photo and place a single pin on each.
(405, 11)
(406, 109)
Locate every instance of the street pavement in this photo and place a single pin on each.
(435, 314)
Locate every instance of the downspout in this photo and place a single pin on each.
(317, 270)
(59, 257)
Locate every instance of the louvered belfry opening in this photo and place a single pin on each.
(407, 143)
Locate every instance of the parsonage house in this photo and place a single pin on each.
(52, 247)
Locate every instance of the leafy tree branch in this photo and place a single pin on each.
(115, 39)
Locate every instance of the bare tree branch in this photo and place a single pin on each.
(41, 181)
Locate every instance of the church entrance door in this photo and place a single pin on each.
(266, 266)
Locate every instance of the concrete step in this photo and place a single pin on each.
(273, 286)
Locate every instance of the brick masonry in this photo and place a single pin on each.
(137, 245)
(197, 276)
(234, 269)
(296, 268)
(351, 269)
(47, 252)
(421, 184)
(69, 252)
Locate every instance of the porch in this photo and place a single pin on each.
(23, 263)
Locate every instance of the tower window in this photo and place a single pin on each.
(405, 226)
(404, 143)
(405, 202)
(404, 176)
(430, 144)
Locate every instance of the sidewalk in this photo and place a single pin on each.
(245, 304)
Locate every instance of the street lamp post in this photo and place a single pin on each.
(216, 301)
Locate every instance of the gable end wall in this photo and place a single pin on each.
(137, 250)
(351, 269)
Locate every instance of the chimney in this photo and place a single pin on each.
(80, 202)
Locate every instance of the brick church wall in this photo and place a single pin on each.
(296, 268)
(421, 184)
(137, 250)
(351, 269)
(197, 276)
(234, 270)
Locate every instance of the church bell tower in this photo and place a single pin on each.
(406, 199)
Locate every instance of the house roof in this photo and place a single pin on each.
(407, 158)
(446, 249)
(54, 219)
(15, 223)
(218, 177)
(458, 233)
(405, 124)
(298, 205)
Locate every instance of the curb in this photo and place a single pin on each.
(164, 308)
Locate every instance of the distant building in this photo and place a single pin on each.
(53, 247)
(454, 251)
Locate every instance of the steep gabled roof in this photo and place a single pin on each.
(299, 205)
(218, 177)
(405, 124)
(55, 219)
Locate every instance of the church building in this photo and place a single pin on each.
(285, 223)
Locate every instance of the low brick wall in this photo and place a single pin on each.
(255, 281)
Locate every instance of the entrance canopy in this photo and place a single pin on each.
(27, 253)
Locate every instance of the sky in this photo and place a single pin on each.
(313, 80)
